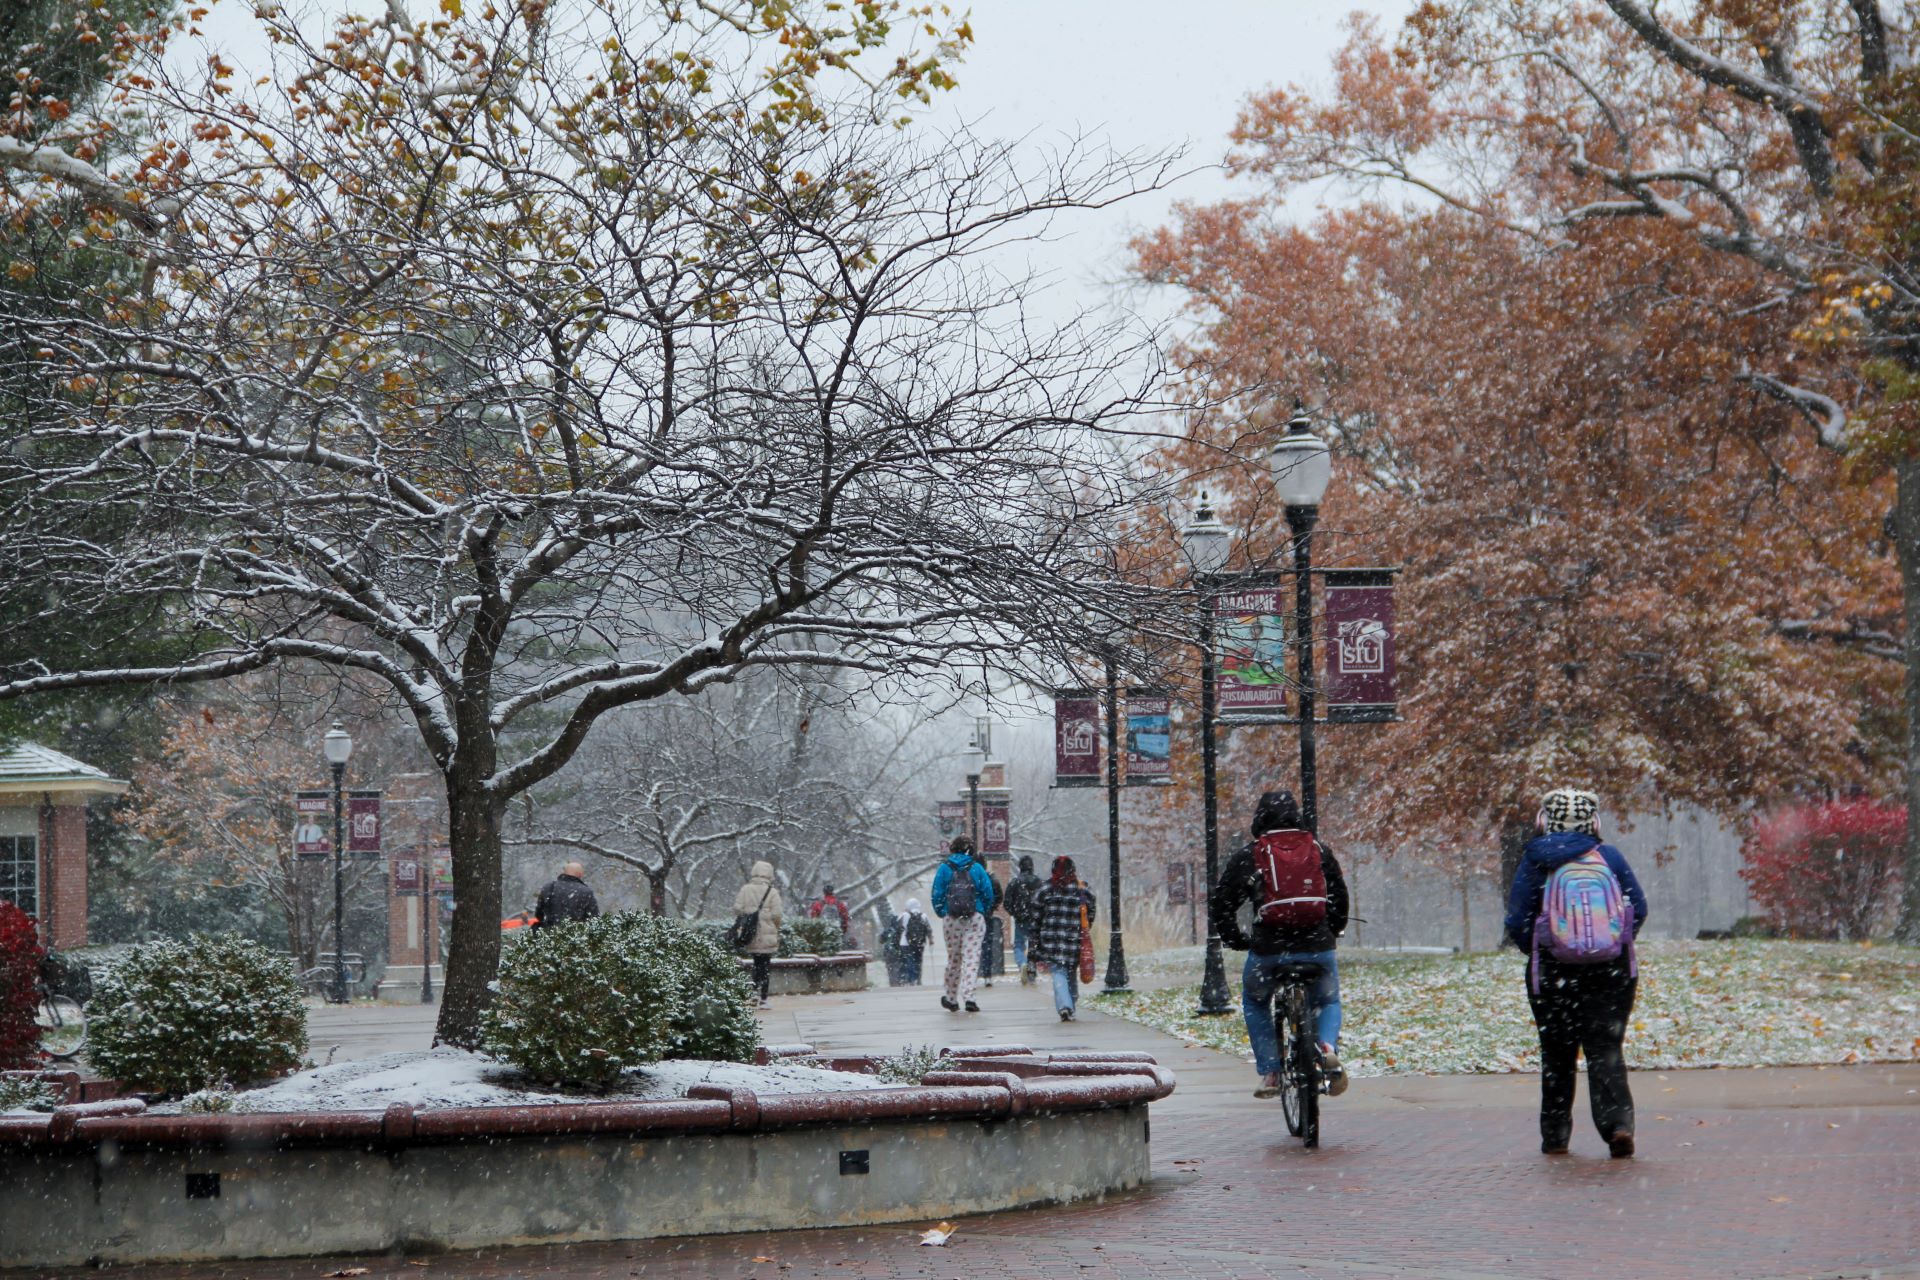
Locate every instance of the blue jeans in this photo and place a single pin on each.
(1257, 985)
(910, 966)
(1019, 945)
(1066, 985)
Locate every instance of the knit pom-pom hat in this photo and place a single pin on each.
(1570, 809)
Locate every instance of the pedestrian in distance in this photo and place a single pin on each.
(1300, 907)
(759, 894)
(992, 958)
(1020, 895)
(916, 931)
(567, 899)
(963, 896)
(891, 926)
(828, 907)
(1575, 909)
(1063, 912)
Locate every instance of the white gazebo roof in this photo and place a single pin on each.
(29, 768)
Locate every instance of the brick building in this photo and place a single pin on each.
(43, 837)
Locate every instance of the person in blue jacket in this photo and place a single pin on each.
(964, 906)
(1576, 1006)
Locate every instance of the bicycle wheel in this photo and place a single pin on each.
(1306, 1058)
(1287, 1014)
(63, 1027)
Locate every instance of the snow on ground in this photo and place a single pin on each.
(449, 1077)
(1701, 1004)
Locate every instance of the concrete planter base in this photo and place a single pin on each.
(103, 1183)
(811, 975)
(401, 985)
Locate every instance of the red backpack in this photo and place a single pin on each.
(1293, 889)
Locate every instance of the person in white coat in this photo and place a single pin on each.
(760, 894)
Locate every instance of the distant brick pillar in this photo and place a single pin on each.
(66, 864)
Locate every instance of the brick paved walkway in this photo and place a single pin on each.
(1750, 1174)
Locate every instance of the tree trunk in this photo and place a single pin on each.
(1907, 473)
(657, 893)
(1513, 846)
(1466, 913)
(473, 955)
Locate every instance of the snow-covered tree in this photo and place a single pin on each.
(537, 364)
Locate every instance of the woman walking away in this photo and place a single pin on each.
(1575, 909)
(1063, 911)
(916, 932)
(759, 894)
(963, 896)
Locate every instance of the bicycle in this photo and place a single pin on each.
(1302, 1080)
(65, 986)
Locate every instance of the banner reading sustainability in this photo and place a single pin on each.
(1149, 738)
(1249, 627)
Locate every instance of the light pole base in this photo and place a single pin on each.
(1116, 981)
(1215, 1000)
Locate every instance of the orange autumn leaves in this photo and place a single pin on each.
(1622, 567)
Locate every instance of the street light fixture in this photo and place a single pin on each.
(337, 746)
(1207, 544)
(1302, 465)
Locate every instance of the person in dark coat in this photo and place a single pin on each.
(1020, 895)
(916, 931)
(1576, 1006)
(1063, 909)
(567, 899)
(1270, 946)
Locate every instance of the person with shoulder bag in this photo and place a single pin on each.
(915, 933)
(758, 913)
(1063, 912)
(1575, 909)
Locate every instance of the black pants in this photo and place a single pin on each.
(763, 974)
(1583, 1007)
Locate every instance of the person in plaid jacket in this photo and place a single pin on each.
(1058, 922)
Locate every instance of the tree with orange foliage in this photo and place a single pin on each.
(1779, 137)
(1610, 552)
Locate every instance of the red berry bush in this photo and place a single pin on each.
(20, 957)
(1827, 870)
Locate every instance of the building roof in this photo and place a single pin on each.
(29, 767)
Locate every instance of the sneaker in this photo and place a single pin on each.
(1066, 1015)
(949, 1005)
(1269, 1086)
(1620, 1146)
(972, 1007)
(1336, 1074)
(1072, 1016)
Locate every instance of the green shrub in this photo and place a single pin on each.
(809, 937)
(911, 1065)
(1752, 927)
(24, 1093)
(713, 1019)
(176, 1016)
(582, 1004)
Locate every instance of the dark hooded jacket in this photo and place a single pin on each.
(1020, 895)
(1542, 855)
(1240, 884)
(567, 900)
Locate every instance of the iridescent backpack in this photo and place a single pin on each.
(1584, 917)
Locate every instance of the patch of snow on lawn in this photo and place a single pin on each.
(447, 1077)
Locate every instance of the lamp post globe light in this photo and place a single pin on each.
(338, 749)
(1302, 465)
(1207, 543)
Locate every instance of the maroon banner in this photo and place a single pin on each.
(1360, 652)
(1251, 664)
(952, 817)
(1149, 738)
(408, 873)
(313, 824)
(363, 824)
(1076, 738)
(996, 829)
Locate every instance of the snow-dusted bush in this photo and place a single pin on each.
(810, 937)
(20, 957)
(911, 1065)
(578, 1005)
(1828, 870)
(218, 1101)
(175, 1016)
(24, 1093)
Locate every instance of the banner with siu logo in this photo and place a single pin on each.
(996, 829)
(1360, 645)
(363, 824)
(1076, 738)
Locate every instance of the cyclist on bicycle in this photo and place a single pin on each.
(1297, 915)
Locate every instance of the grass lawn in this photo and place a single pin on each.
(1701, 1004)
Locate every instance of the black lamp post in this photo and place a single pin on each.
(1116, 979)
(1207, 544)
(338, 748)
(1302, 466)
